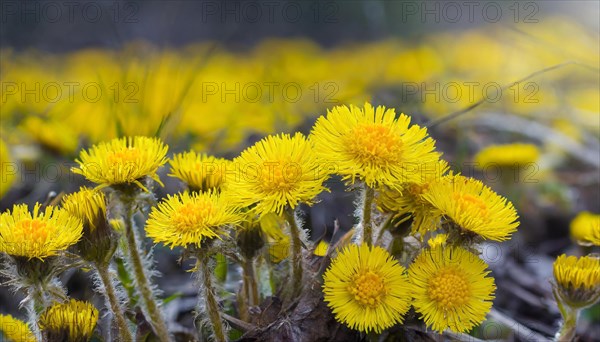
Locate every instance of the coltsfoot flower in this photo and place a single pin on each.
(585, 229)
(451, 288)
(373, 145)
(190, 219)
(15, 330)
(366, 288)
(474, 207)
(200, 172)
(577, 280)
(277, 172)
(38, 234)
(122, 161)
(509, 155)
(7, 178)
(408, 202)
(73, 321)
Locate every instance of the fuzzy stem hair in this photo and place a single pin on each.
(210, 307)
(108, 289)
(296, 253)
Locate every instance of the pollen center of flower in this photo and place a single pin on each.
(375, 143)
(124, 156)
(467, 202)
(36, 230)
(192, 215)
(279, 178)
(368, 288)
(449, 288)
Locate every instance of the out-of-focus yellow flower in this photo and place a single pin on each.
(373, 145)
(451, 289)
(52, 134)
(200, 172)
(321, 249)
(278, 241)
(190, 219)
(15, 330)
(7, 178)
(122, 161)
(277, 172)
(72, 321)
(408, 203)
(366, 288)
(40, 234)
(86, 204)
(577, 280)
(474, 207)
(585, 228)
(509, 155)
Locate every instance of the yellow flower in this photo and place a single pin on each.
(189, 219)
(15, 330)
(474, 207)
(277, 172)
(200, 172)
(437, 241)
(510, 155)
(366, 288)
(585, 229)
(53, 134)
(373, 145)
(87, 204)
(7, 178)
(39, 234)
(577, 279)
(71, 321)
(408, 202)
(321, 249)
(451, 288)
(122, 161)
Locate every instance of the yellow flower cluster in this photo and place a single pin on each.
(509, 155)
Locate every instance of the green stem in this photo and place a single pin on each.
(142, 280)
(296, 252)
(110, 293)
(250, 284)
(366, 217)
(568, 329)
(211, 303)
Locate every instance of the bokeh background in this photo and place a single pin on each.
(216, 76)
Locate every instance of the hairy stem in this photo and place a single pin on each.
(296, 253)
(211, 303)
(250, 285)
(142, 281)
(366, 215)
(111, 296)
(568, 329)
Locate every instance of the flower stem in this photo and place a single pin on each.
(296, 252)
(366, 217)
(110, 293)
(250, 285)
(142, 281)
(569, 327)
(211, 304)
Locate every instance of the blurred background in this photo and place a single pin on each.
(216, 76)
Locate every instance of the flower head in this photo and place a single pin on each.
(72, 321)
(585, 229)
(577, 279)
(7, 178)
(277, 172)
(200, 172)
(510, 155)
(366, 288)
(373, 145)
(474, 207)
(451, 288)
(189, 219)
(122, 161)
(40, 234)
(88, 205)
(15, 330)
(408, 202)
